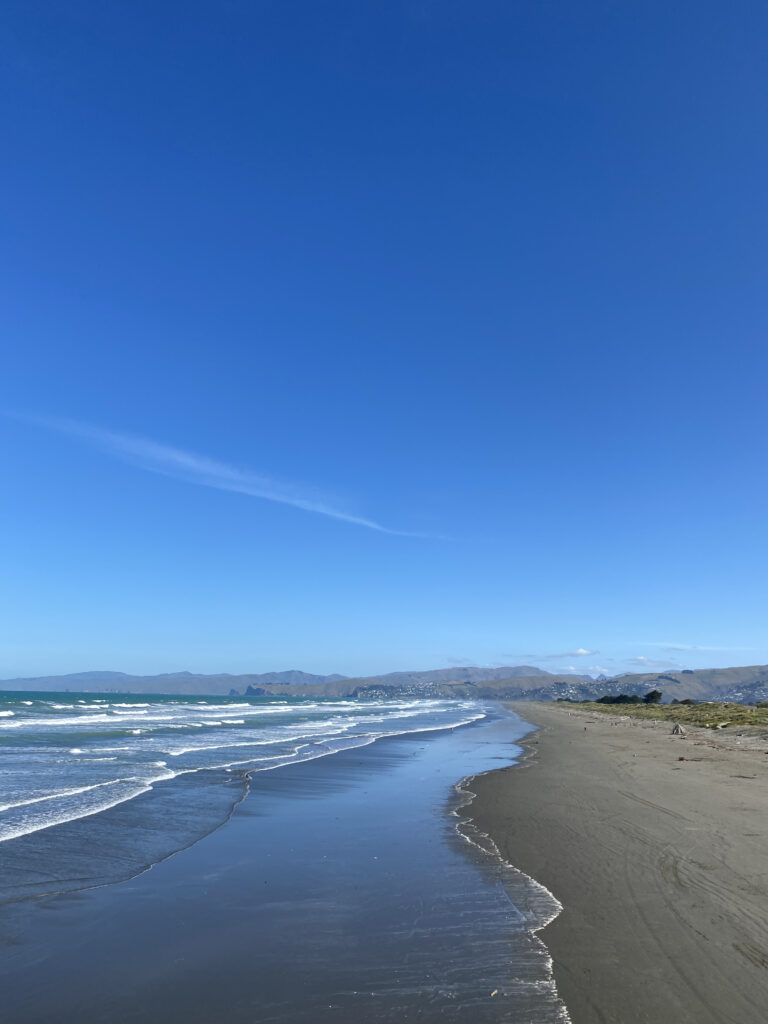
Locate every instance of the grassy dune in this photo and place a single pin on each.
(708, 715)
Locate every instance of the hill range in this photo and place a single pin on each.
(745, 684)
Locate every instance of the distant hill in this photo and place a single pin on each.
(743, 682)
(518, 682)
(461, 674)
(746, 684)
(428, 682)
(198, 684)
(170, 682)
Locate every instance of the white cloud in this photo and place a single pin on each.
(580, 652)
(198, 469)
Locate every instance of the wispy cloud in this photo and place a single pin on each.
(205, 472)
(652, 662)
(672, 646)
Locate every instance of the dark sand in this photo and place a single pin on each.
(661, 864)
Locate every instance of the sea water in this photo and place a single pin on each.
(346, 885)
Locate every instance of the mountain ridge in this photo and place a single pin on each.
(746, 683)
(194, 683)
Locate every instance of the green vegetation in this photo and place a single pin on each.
(707, 714)
(654, 697)
(622, 698)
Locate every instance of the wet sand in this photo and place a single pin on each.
(661, 863)
(338, 892)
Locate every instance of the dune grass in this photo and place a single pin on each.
(708, 714)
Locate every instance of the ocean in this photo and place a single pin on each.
(310, 860)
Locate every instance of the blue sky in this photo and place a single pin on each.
(355, 337)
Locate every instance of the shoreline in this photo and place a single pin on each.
(338, 892)
(655, 847)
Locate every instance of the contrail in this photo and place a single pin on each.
(198, 469)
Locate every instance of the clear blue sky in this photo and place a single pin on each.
(361, 336)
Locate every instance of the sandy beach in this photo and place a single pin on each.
(657, 846)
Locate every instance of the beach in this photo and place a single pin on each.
(656, 845)
(341, 887)
(335, 888)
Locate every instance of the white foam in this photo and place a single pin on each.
(548, 905)
(305, 735)
(293, 732)
(74, 815)
(5, 714)
(54, 721)
(60, 794)
(137, 787)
